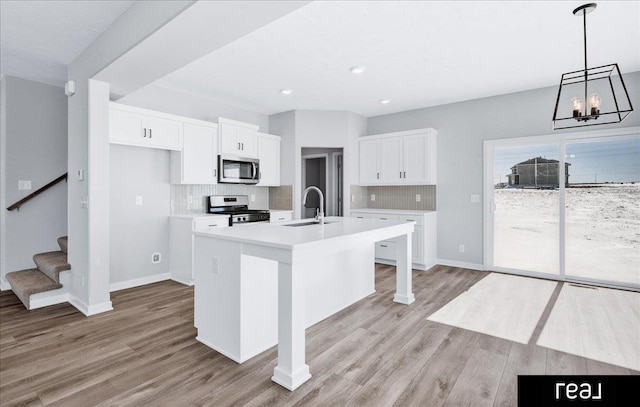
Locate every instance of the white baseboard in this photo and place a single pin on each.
(4, 285)
(137, 282)
(461, 264)
(415, 266)
(89, 310)
(185, 282)
(230, 355)
(35, 303)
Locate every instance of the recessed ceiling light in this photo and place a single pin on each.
(286, 91)
(385, 101)
(357, 69)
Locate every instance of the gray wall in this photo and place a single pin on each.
(138, 231)
(34, 147)
(462, 128)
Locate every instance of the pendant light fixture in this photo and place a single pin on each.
(591, 96)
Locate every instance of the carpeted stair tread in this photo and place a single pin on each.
(52, 263)
(24, 283)
(62, 242)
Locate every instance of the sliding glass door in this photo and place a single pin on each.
(526, 199)
(565, 207)
(602, 215)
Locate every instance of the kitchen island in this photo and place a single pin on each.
(260, 284)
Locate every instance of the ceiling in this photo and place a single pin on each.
(38, 39)
(416, 53)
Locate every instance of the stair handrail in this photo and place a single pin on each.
(37, 192)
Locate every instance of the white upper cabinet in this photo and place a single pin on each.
(144, 128)
(370, 162)
(197, 162)
(403, 158)
(238, 138)
(269, 155)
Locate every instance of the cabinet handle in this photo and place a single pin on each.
(405, 174)
(383, 245)
(378, 175)
(238, 146)
(145, 132)
(384, 218)
(242, 144)
(400, 174)
(215, 172)
(150, 135)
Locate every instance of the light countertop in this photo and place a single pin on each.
(393, 211)
(279, 235)
(193, 216)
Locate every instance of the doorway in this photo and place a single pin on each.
(323, 168)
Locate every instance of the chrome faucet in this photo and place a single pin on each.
(319, 215)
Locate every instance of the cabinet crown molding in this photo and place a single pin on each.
(428, 130)
(223, 120)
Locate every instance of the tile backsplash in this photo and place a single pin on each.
(193, 198)
(281, 197)
(394, 197)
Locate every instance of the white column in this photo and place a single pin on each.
(403, 295)
(292, 370)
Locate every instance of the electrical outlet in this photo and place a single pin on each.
(461, 248)
(155, 258)
(418, 198)
(189, 199)
(24, 185)
(353, 198)
(139, 200)
(373, 197)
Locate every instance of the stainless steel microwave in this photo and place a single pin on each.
(238, 170)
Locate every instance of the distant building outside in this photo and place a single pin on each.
(537, 172)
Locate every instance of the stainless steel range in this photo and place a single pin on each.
(237, 206)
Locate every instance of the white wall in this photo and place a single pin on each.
(462, 128)
(138, 231)
(317, 129)
(34, 147)
(170, 101)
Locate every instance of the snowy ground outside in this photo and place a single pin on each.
(602, 228)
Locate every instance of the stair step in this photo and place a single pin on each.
(24, 283)
(52, 263)
(62, 242)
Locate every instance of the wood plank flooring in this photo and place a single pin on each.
(374, 353)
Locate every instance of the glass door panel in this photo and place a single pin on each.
(603, 211)
(526, 215)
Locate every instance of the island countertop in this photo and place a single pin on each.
(282, 236)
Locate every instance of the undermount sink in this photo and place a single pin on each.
(306, 223)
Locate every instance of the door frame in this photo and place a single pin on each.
(561, 139)
(326, 177)
(337, 183)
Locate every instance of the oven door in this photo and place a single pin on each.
(238, 170)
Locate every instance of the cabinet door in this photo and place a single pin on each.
(369, 162)
(391, 169)
(229, 139)
(164, 133)
(199, 155)
(416, 159)
(269, 155)
(248, 139)
(126, 127)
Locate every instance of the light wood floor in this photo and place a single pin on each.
(374, 353)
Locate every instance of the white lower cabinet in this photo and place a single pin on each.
(280, 216)
(423, 239)
(181, 243)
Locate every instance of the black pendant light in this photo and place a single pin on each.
(591, 96)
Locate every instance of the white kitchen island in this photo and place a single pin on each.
(260, 284)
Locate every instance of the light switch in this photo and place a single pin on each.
(138, 200)
(24, 185)
(253, 198)
(418, 198)
(373, 197)
(80, 175)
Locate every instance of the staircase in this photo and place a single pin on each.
(45, 277)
